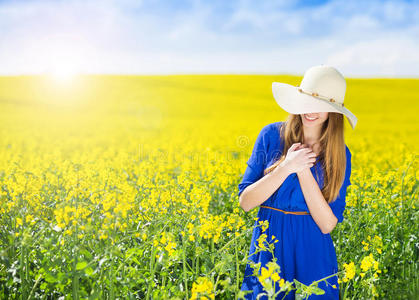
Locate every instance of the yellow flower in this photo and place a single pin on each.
(18, 222)
(170, 247)
(261, 241)
(281, 282)
(349, 271)
(29, 218)
(375, 263)
(367, 262)
(275, 277)
(265, 273)
(264, 225)
(365, 245)
(190, 227)
(202, 287)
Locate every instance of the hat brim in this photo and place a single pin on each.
(291, 100)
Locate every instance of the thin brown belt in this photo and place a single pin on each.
(288, 212)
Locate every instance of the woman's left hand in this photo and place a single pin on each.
(301, 146)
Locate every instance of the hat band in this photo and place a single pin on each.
(319, 96)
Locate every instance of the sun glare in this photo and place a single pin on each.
(63, 74)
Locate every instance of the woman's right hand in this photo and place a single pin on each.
(298, 159)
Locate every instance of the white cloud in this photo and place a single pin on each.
(363, 38)
(388, 56)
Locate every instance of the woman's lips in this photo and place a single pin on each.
(305, 117)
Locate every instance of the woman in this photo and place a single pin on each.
(301, 190)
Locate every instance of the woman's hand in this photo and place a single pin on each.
(299, 157)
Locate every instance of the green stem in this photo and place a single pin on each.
(402, 219)
(163, 281)
(212, 250)
(76, 253)
(152, 273)
(197, 266)
(228, 243)
(317, 281)
(34, 286)
(22, 261)
(237, 267)
(112, 296)
(185, 279)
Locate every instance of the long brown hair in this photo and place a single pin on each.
(332, 156)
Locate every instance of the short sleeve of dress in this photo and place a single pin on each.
(257, 161)
(338, 206)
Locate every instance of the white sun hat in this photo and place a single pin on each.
(322, 89)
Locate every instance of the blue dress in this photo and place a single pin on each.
(303, 252)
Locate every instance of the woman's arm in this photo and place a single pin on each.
(259, 191)
(317, 204)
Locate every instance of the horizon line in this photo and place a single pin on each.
(201, 74)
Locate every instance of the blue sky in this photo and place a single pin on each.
(360, 38)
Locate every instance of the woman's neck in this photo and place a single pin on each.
(311, 138)
(311, 135)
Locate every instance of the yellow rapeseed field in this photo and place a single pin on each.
(126, 186)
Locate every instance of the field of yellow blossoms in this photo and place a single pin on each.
(126, 187)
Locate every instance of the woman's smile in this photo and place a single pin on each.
(310, 118)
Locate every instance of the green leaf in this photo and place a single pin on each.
(316, 290)
(88, 271)
(298, 297)
(49, 278)
(81, 265)
(86, 253)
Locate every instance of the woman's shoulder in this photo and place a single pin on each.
(272, 129)
(270, 133)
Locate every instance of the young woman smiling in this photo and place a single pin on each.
(297, 175)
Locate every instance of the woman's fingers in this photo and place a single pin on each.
(293, 146)
(308, 151)
(301, 146)
(311, 154)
